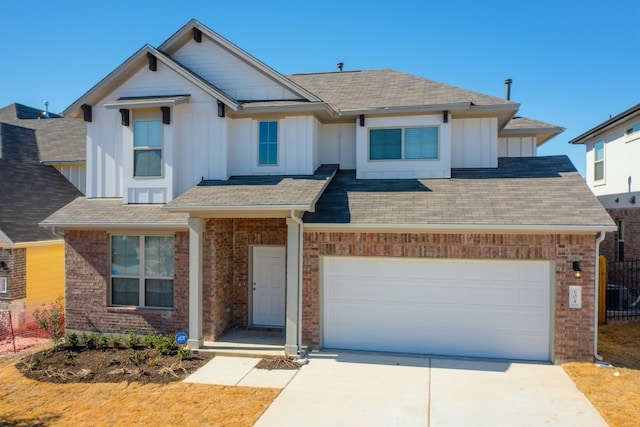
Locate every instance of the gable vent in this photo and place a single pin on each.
(153, 61)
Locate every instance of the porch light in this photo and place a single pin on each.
(577, 270)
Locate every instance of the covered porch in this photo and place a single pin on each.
(245, 259)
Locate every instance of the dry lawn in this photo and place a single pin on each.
(25, 402)
(614, 392)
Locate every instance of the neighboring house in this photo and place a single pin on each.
(31, 189)
(613, 152)
(366, 210)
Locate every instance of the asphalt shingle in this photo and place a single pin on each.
(526, 191)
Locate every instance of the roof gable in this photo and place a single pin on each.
(628, 114)
(132, 66)
(224, 64)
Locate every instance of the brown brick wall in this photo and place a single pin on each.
(16, 261)
(217, 278)
(87, 259)
(248, 232)
(573, 334)
(609, 247)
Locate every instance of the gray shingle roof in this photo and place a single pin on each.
(59, 140)
(248, 192)
(377, 89)
(29, 190)
(532, 191)
(102, 213)
(518, 123)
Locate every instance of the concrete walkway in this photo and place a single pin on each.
(353, 388)
(240, 371)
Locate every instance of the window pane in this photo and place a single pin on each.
(599, 150)
(158, 293)
(158, 256)
(124, 255)
(147, 133)
(385, 144)
(421, 143)
(268, 143)
(125, 291)
(147, 163)
(598, 174)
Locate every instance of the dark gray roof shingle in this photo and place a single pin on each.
(29, 190)
(532, 191)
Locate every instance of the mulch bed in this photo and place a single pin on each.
(278, 362)
(112, 365)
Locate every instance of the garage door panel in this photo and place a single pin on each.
(453, 307)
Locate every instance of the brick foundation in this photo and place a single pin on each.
(573, 333)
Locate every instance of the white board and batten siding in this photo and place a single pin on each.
(517, 146)
(474, 143)
(403, 169)
(195, 131)
(297, 147)
(454, 307)
(229, 73)
(75, 174)
(337, 145)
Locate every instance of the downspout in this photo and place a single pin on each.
(600, 237)
(300, 253)
(57, 233)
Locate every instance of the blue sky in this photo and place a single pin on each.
(572, 63)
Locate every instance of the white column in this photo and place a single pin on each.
(291, 324)
(196, 229)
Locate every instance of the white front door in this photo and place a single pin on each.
(268, 285)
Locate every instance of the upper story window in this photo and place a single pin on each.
(420, 143)
(142, 271)
(598, 161)
(3, 285)
(634, 129)
(268, 144)
(147, 148)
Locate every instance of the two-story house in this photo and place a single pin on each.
(37, 151)
(612, 174)
(367, 210)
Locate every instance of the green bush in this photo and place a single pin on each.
(73, 339)
(134, 340)
(90, 340)
(115, 341)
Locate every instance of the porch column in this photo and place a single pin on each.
(196, 229)
(293, 252)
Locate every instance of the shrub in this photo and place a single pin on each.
(184, 352)
(134, 339)
(115, 341)
(90, 341)
(73, 339)
(51, 320)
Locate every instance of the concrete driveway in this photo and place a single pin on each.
(368, 389)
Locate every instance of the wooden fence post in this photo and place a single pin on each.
(602, 290)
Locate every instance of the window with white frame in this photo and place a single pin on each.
(147, 148)
(634, 129)
(598, 161)
(142, 271)
(3, 285)
(416, 143)
(620, 240)
(268, 144)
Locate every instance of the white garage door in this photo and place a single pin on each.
(451, 307)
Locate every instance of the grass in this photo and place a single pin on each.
(615, 392)
(25, 402)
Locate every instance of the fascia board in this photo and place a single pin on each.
(457, 228)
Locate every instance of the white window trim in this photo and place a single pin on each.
(598, 182)
(141, 275)
(134, 149)
(402, 144)
(278, 146)
(3, 285)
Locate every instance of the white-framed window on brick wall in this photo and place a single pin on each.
(142, 271)
(3, 285)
